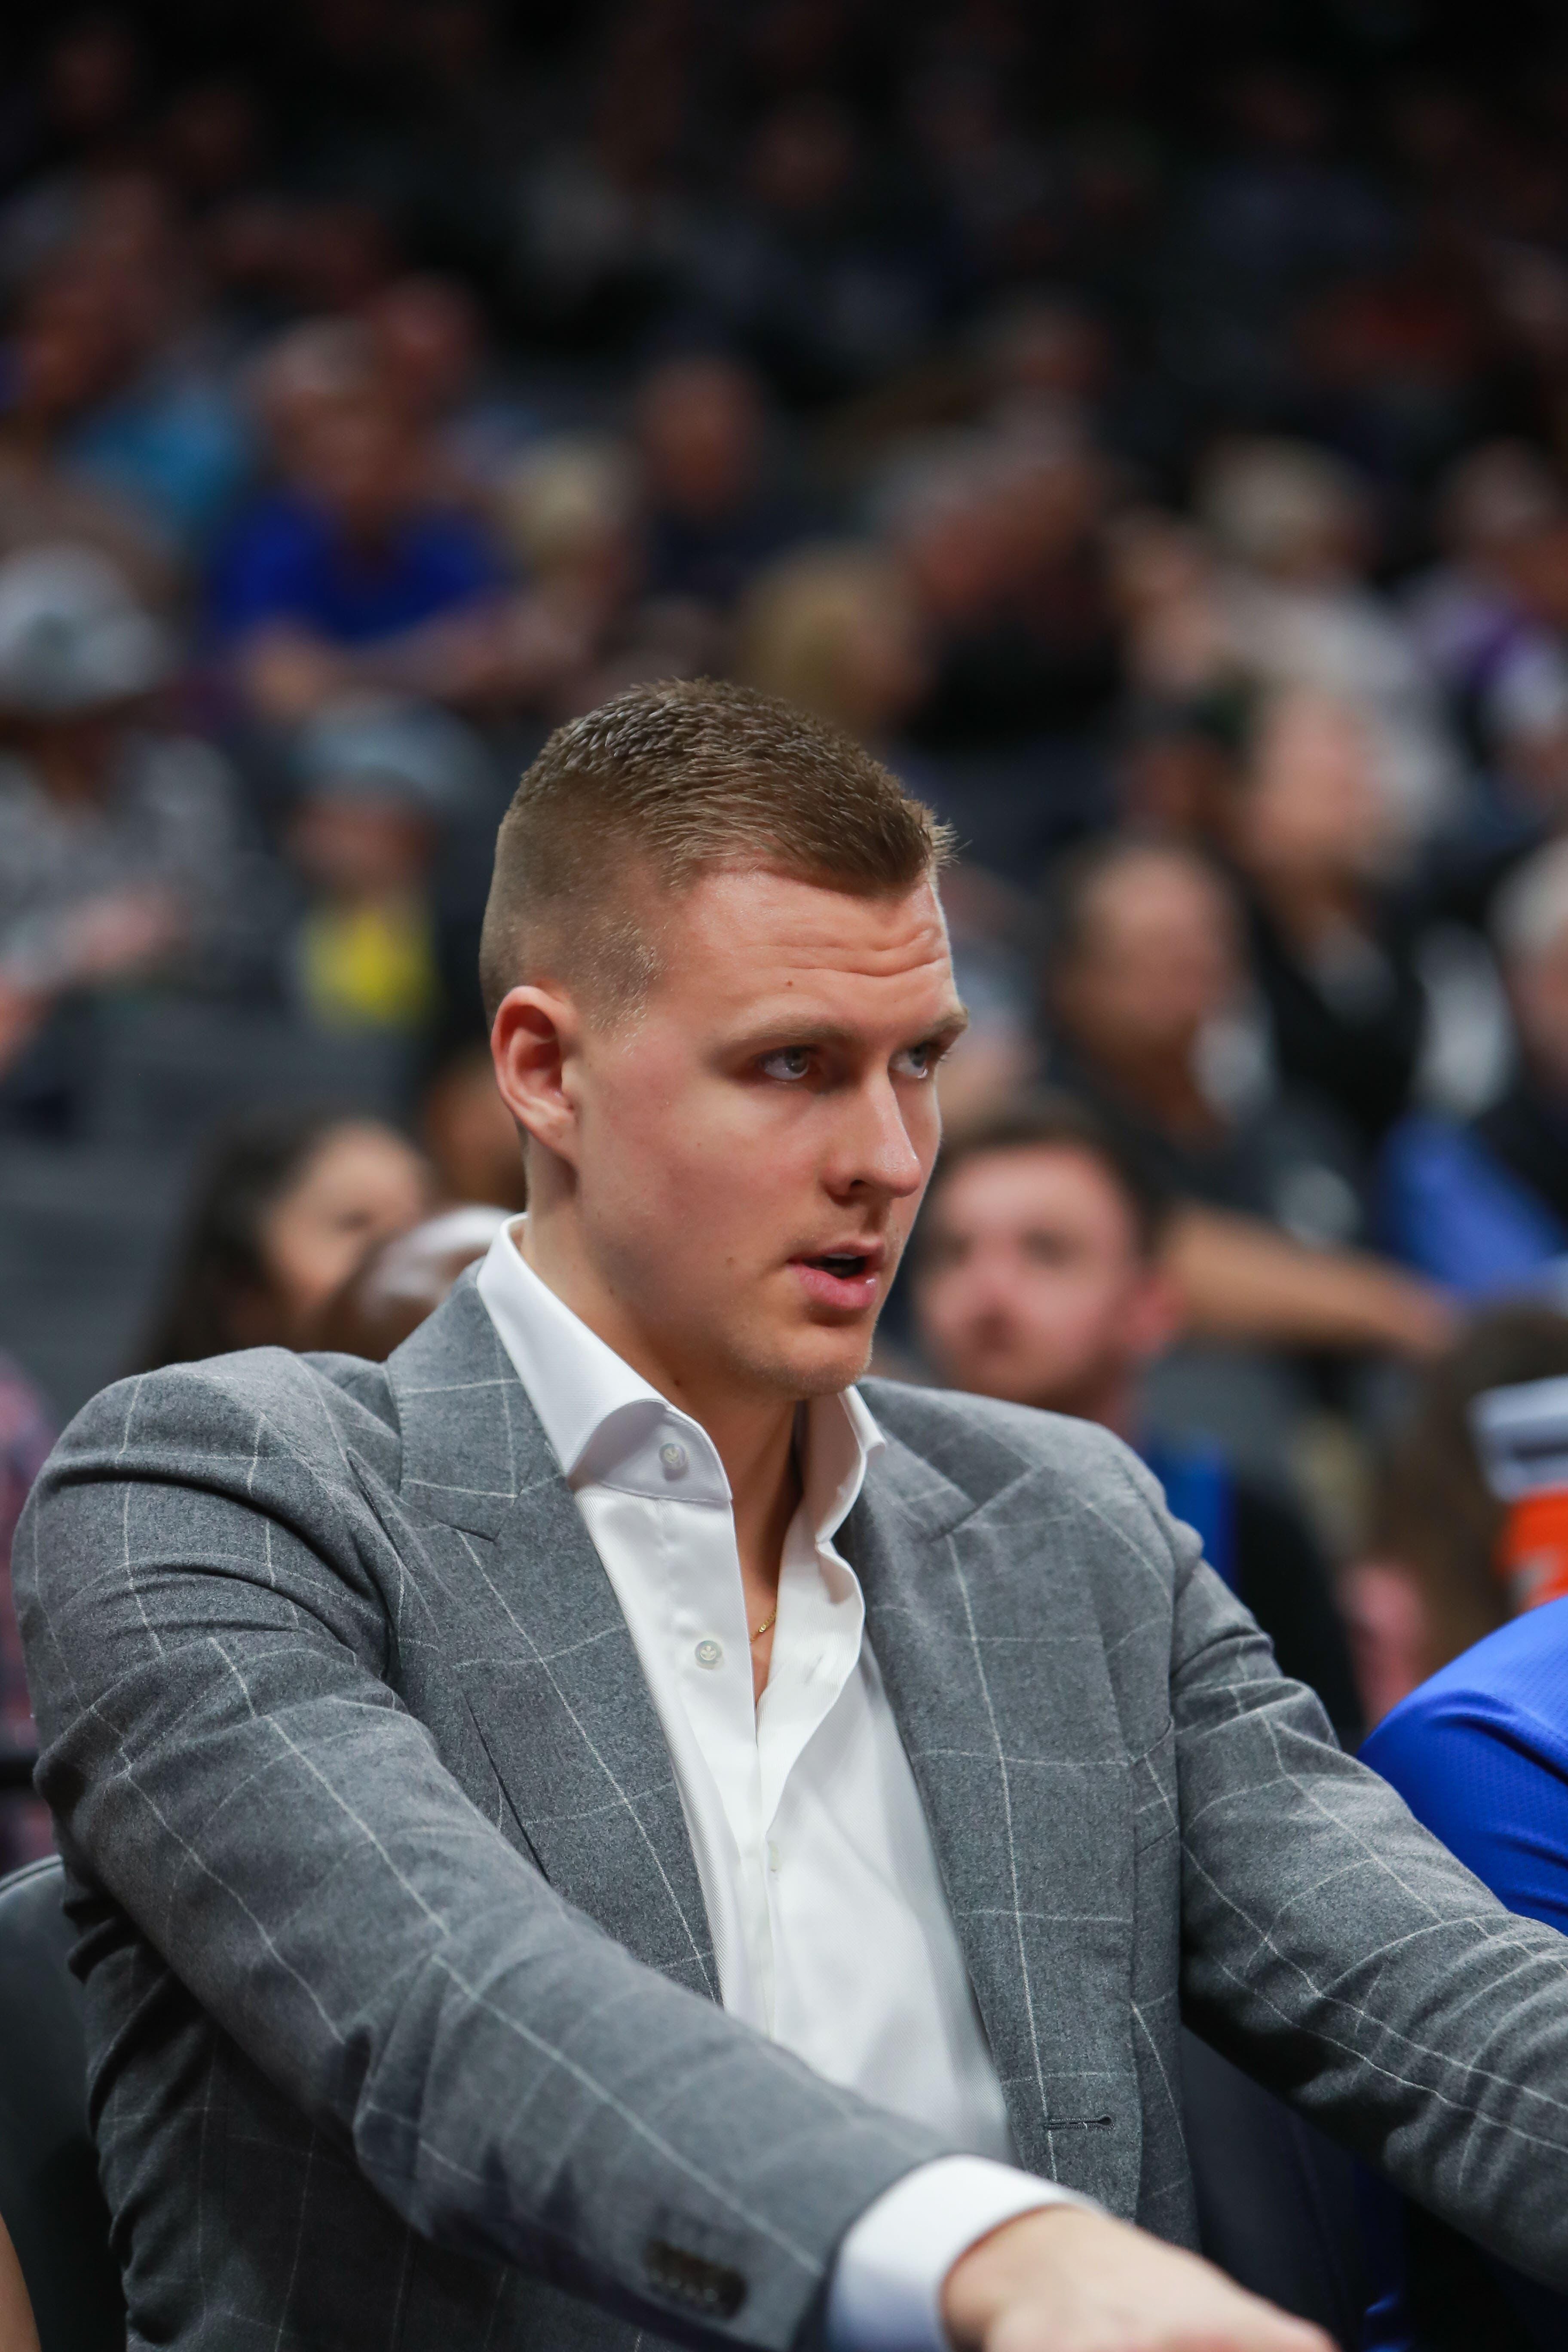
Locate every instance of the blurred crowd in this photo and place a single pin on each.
(1146, 428)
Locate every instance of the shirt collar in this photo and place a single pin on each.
(607, 1426)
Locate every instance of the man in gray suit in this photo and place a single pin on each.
(599, 1833)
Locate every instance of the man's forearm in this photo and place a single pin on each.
(1241, 1280)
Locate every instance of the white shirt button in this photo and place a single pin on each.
(776, 1859)
(710, 1653)
(674, 1458)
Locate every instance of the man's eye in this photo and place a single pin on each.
(917, 1060)
(790, 1062)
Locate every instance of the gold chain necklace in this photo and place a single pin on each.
(767, 1620)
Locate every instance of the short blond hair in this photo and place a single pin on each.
(667, 782)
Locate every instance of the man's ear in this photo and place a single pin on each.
(534, 1042)
(1157, 1317)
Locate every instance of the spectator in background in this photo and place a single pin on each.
(1294, 524)
(118, 842)
(834, 629)
(1038, 1278)
(425, 340)
(26, 1435)
(1265, 220)
(400, 1282)
(1478, 1750)
(1000, 542)
(713, 517)
(1427, 1583)
(1168, 591)
(1143, 970)
(56, 361)
(468, 1134)
(1474, 615)
(163, 429)
(809, 267)
(1337, 969)
(1480, 1754)
(210, 146)
(1179, 767)
(296, 381)
(1526, 790)
(1146, 990)
(1044, 362)
(568, 508)
(85, 107)
(378, 780)
(343, 575)
(289, 1203)
(1483, 1207)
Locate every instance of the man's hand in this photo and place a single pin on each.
(1063, 2280)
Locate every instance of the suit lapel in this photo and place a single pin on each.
(993, 1664)
(549, 1669)
(994, 1660)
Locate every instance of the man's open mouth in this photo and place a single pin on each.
(844, 1280)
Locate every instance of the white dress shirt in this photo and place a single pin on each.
(811, 1841)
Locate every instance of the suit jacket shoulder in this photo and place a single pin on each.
(312, 1406)
(980, 1448)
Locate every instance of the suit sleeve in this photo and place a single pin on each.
(201, 1583)
(1335, 1950)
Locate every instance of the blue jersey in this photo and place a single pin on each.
(1480, 1754)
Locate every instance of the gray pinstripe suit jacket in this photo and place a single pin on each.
(400, 1991)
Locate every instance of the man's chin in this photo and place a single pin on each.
(819, 1362)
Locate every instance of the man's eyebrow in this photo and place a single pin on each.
(787, 1031)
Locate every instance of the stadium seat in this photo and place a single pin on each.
(1277, 2201)
(168, 1067)
(49, 2194)
(84, 1240)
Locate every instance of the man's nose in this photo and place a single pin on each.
(877, 1150)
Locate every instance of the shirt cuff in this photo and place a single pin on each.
(885, 2295)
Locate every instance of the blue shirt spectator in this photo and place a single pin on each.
(289, 561)
(174, 442)
(1483, 1208)
(1479, 1753)
(1452, 1206)
(356, 548)
(714, 520)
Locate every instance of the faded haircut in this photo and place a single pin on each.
(661, 785)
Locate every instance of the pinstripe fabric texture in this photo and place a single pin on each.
(402, 2004)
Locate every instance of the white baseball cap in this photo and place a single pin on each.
(72, 634)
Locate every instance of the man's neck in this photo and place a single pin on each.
(753, 1436)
